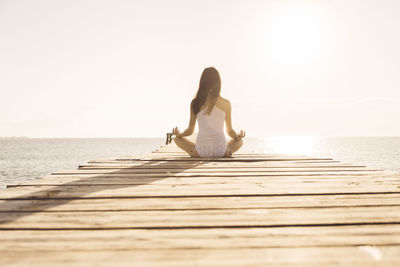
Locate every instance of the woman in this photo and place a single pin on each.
(211, 110)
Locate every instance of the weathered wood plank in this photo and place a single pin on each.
(185, 158)
(202, 218)
(195, 203)
(215, 170)
(315, 256)
(220, 174)
(371, 235)
(238, 159)
(85, 191)
(250, 157)
(210, 162)
(216, 167)
(268, 181)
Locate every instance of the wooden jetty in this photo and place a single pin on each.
(166, 209)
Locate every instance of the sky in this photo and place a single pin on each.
(82, 68)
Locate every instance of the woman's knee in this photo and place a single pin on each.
(177, 140)
(235, 145)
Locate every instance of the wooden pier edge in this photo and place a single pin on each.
(166, 209)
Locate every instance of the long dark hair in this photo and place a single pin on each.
(209, 88)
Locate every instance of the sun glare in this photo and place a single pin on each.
(293, 37)
(294, 145)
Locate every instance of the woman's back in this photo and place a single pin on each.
(213, 123)
(211, 140)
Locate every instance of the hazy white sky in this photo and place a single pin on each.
(130, 68)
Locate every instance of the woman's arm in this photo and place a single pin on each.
(228, 121)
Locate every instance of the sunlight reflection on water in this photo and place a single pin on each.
(294, 145)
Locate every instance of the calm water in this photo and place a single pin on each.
(23, 159)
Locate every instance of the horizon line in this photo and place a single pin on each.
(158, 137)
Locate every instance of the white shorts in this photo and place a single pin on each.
(211, 150)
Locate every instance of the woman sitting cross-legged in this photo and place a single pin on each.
(211, 111)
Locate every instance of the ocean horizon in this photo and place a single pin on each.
(25, 159)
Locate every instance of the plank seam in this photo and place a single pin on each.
(203, 226)
(202, 196)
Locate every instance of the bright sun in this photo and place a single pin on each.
(294, 37)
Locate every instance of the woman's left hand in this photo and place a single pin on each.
(176, 132)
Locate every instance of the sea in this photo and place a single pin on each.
(26, 159)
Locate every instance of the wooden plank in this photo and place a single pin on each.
(330, 256)
(184, 163)
(238, 159)
(216, 170)
(268, 181)
(85, 191)
(221, 218)
(237, 169)
(196, 203)
(184, 157)
(213, 167)
(147, 179)
(284, 175)
(136, 239)
(168, 173)
(239, 153)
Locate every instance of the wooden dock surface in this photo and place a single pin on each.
(166, 209)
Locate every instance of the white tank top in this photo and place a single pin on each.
(211, 140)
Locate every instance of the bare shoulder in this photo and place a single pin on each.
(223, 103)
